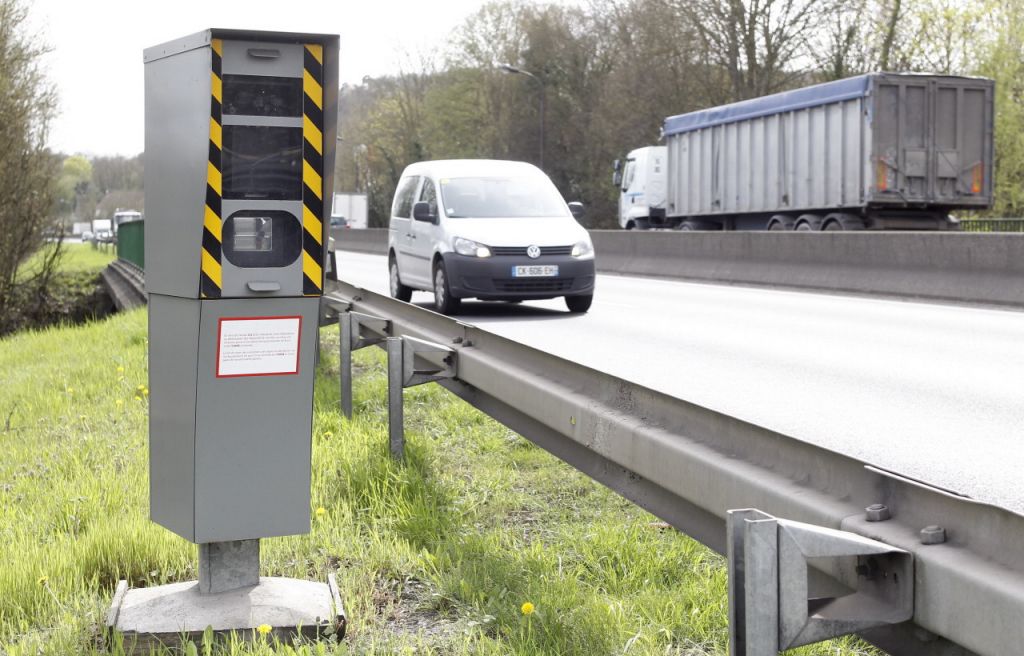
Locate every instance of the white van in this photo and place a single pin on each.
(487, 229)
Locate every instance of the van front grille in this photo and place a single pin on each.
(521, 250)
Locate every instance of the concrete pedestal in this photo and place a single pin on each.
(163, 615)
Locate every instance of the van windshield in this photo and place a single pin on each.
(494, 197)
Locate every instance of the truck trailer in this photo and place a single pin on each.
(878, 151)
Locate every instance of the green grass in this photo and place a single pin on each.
(77, 258)
(434, 556)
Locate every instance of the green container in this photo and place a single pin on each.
(130, 241)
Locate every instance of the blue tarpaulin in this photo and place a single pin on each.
(787, 101)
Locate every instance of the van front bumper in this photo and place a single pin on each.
(491, 279)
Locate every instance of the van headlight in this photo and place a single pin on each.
(583, 249)
(470, 248)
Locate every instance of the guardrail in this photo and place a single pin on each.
(946, 267)
(125, 283)
(953, 566)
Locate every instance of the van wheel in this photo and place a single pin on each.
(579, 304)
(443, 301)
(398, 290)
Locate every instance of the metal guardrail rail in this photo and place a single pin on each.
(125, 283)
(956, 566)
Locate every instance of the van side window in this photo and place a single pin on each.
(402, 206)
(429, 195)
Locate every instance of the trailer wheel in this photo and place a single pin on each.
(843, 222)
(694, 224)
(780, 222)
(630, 226)
(808, 223)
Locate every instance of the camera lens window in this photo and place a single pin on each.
(256, 238)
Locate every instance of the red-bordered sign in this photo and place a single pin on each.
(258, 346)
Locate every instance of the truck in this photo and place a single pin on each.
(349, 211)
(882, 151)
(102, 229)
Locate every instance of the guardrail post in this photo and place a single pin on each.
(770, 609)
(752, 551)
(396, 409)
(345, 357)
(350, 338)
(412, 362)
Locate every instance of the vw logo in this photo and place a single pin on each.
(533, 251)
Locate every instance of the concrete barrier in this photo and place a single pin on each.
(371, 240)
(938, 266)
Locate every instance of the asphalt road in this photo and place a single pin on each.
(929, 391)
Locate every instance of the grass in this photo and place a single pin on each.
(434, 556)
(77, 258)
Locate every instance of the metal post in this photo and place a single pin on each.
(753, 584)
(227, 566)
(345, 349)
(396, 383)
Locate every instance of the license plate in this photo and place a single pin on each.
(535, 271)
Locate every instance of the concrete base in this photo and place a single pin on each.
(164, 615)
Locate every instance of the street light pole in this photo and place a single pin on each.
(509, 68)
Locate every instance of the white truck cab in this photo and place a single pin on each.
(641, 180)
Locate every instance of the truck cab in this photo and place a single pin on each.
(641, 180)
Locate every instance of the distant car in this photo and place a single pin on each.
(87, 236)
(487, 229)
(339, 222)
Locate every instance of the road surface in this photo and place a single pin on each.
(932, 392)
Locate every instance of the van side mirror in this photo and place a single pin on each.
(421, 212)
(617, 173)
(576, 208)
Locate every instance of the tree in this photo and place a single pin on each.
(27, 169)
(74, 184)
(755, 45)
(1002, 59)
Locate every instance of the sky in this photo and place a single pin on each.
(96, 62)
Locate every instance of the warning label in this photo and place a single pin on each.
(258, 346)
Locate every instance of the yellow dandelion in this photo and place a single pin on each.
(43, 580)
(320, 512)
(71, 390)
(527, 608)
(145, 391)
(264, 629)
(120, 370)
(140, 388)
(119, 402)
(328, 435)
(82, 417)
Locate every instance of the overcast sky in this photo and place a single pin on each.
(96, 62)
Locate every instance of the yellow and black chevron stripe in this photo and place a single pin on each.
(210, 269)
(312, 170)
